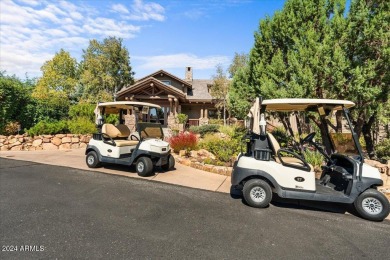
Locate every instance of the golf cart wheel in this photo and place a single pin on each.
(170, 165)
(144, 166)
(257, 193)
(92, 160)
(372, 205)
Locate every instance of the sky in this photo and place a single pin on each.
(160, 34)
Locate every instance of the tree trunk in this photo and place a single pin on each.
(339, 121)
(366, 130)
(224, 114)
(321, 124)
(359, 124)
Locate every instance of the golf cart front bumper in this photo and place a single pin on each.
(159, 159)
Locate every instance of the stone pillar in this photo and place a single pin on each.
(206, 114)
(201, 113)
(170, 106)
(176, 105)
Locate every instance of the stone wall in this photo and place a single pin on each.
(43, 142)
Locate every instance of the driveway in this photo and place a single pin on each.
(71, 213)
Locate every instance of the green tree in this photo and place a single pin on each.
(105, 69)
(240, 61)
(220, 90)
(368, 50)
(15, 102)
(59, 75)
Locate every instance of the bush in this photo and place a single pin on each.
(84, 110)
(49, 127)
(233, 132)
(216, 121)
(223, 150)
(11, 128)
(183, 141)
(204, 129)
(81, 125)
(182, 118)
(281, 135)
(314, 158)
(383, 149)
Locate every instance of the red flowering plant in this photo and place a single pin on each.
(183, 141)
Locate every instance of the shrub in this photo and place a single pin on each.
(182, 118)
(49, 127)
(383, 149)
(84, 110)
(223, 150)
(216, 121)
(314, 158)
(234, 132)
(281, 135)
(204, 129)
(11, 128)
(81, 125)
(183, 141)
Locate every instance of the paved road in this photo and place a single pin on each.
(70, 213)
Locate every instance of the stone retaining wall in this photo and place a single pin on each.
(43, 142)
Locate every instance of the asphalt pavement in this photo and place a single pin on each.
(50, 212)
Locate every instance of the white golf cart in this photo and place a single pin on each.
(266, 168)
(143, 148)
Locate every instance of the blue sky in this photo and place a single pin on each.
(160, 34)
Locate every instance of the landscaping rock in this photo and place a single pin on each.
(83, 145)
(4, 148)
(56, 141)
(14, 144)
(75, 140)
(38, 148)
(64, 146)
(32, 148)
(12, 140)
(2, 140)
(74, 146)
(49, 146)
(47, 136)
(69, 135)
(60, 135)
(66, 140)
(37, 142)
(16, 148)
(182, 153)
(46, 140)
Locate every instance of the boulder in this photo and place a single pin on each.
(2, 140)
(60, 135)
(12, 140)
(37, 142)
(39, 148)
(46, 140)
(182, 153)
(69, 135)
(83, 145)
(49, 146)
(4, 148)
(65, 146)
(47, 136)
(14, 144)
(74, 146)
(56, 141)
(16, 148)
(31, 148)
(66, 140)
(75, 140)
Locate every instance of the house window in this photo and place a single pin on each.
(166, 82)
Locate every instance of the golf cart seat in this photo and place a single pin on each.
(118, 134)
(286, 160)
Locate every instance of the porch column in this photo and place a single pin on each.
(170, 105)
(201, 113)
(206, 114)
(176, 104)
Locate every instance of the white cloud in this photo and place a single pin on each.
(141, 11)
(119, 8)
(180, 60)
(32, 31)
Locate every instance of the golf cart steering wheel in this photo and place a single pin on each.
(309, 138)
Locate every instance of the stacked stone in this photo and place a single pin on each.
(43, 142)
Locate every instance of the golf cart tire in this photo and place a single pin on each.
(144, 166)
(257, 193)
(170, 165)
(92, 160)
(372, 197)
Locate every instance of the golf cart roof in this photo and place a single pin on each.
(114, 107)
(304, 104)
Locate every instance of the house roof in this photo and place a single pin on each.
(148, 82)
(200, 90)
(188, 84)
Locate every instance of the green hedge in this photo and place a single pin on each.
(204, 129)
(49, 127)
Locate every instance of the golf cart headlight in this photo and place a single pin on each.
(155, 149)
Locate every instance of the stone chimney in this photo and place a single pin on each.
(188, 74)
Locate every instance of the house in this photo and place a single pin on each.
(175, 95)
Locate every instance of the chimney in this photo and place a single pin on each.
(188, 74)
